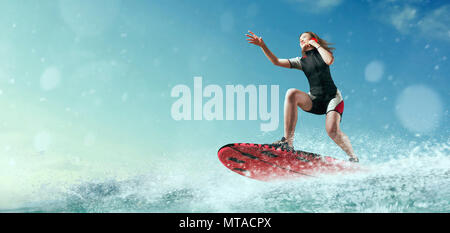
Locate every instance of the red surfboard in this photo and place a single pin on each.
(264, 162)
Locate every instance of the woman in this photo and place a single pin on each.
(323, 97)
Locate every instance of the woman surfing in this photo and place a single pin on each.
(323, 97)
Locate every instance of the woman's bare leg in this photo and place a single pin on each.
(294, 98)
(332, 126)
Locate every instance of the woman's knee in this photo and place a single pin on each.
(291, 95)
(298, 98)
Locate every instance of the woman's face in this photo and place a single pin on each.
(303, 39)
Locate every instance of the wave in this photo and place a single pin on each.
(417, 179)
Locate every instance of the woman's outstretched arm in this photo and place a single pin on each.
(256, 40)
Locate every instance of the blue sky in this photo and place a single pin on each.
(84, 76)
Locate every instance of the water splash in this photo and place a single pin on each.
(417, 180)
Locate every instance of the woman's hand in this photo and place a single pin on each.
(313, 43)
(254, 39)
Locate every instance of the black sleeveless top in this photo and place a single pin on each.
(318, 73)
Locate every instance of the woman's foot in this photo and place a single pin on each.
(354, 159)
(283, 144)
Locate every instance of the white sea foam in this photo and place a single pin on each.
(406, 176)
